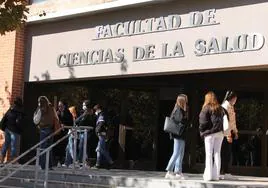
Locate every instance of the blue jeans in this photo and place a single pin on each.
(69, 155)
(44, 132)
(10, 140)
(102, 153)
(177, 156)
(81, 146)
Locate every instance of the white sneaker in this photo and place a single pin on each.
(169, 175)
(228, 176)
(180, 176)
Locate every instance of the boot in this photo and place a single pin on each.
(11, 159)
(1, 159)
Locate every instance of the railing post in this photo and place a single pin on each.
(85, 149)
(75, 148)
(36, 166)
(46, 169)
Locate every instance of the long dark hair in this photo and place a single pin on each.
(229, 95)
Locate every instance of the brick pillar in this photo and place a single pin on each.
(11, 70)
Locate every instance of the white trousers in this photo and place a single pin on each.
(213, 150)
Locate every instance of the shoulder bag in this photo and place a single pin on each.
(37, 116)
(171, 127)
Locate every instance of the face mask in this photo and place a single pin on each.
(96, 113)
(84, 107)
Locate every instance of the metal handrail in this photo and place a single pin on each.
(30, 149)
(41, 153)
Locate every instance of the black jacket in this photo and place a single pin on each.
(101, 123)
(86, 119)
(179, 117)
(210, 122)
(65, 117)
(13, 119)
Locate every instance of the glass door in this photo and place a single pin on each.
(247, 150)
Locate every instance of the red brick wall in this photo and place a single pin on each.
(11, 68)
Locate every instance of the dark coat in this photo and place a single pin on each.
(86, 119)
(101, 123)
(65, 117)
(179, 117)
(13, 119)
(210, 122)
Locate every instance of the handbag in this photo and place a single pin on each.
(37, 116)
(171, 127)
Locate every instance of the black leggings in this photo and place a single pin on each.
(226, 153)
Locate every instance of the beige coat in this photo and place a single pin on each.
(232, 118)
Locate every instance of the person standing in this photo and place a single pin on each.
(47, 124)
(174, 167)
(232, 133)
(85, 120)
(12, 126)
(102, 152)
(211, 129)
(66, 119)
(69, 151)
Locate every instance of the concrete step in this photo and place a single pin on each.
(101, 178)
(29, 183)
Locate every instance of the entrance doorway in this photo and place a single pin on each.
(165, 144)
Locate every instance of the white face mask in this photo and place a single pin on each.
(96, 113)
(84, 107)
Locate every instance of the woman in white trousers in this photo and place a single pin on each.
(211, 130)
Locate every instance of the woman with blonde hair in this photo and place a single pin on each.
(211, 129)
(73, 111)
(178, 115)
(69, 151)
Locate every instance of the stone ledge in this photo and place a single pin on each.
(51, 16)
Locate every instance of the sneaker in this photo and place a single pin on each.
(180, 176)
(96, 167)
(227, 176)
(169, 175)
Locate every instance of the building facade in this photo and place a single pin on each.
(134, 57)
